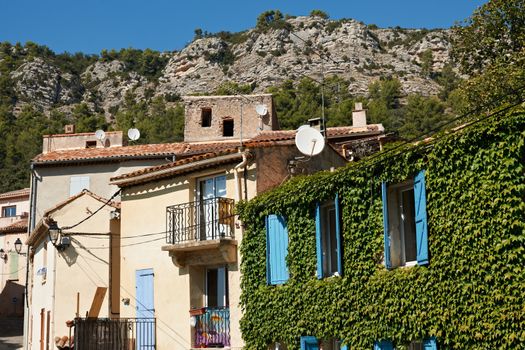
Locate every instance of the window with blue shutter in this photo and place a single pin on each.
(383, 345)
(430, 344)
(328, 238)
(421, 218)
(276, 250)
(405, 222)
(309, 343)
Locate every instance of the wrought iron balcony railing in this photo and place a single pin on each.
(202, 220)
(114, 334)
(212, 327)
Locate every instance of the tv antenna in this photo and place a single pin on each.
(309, 141)
(133, 134)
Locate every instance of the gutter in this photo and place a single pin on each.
(101, 159)
(236, 174)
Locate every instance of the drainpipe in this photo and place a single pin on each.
(236, 175)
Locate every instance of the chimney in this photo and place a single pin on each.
(69, 129)
(358, 116)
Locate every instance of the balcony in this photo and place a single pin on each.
(201, 232)
(212, 327)
(114, 334)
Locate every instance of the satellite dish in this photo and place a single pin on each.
(100, 135)
(309, 141)
(133, 134)
(261, 110)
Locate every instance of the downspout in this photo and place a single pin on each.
(31, 227)
(236, 175)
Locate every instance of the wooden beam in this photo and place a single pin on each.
(96, 305)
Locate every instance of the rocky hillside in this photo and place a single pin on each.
(261, 57)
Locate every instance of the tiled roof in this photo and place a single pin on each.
(17, 226)
(340, 131)
(14, 194)
(170, 169)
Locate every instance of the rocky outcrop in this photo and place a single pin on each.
(311, 46)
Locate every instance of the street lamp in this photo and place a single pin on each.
(54, 232)
(18, 246)
(3, 254)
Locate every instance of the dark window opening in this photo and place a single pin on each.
(206, 117)
(91, 144)
(227, 127)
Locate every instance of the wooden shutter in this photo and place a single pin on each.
(309, 343)
(386, 238)
(318, 241)
(276, 250)
(383, 345)
(338, 235)
(421, 218)
(430, 344)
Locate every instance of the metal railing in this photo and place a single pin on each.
(206, 219)
(115, 334)
(212, 328)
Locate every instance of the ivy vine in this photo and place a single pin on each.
(472, 294)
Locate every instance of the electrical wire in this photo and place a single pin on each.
(13, 272)
(106, 235)
(93, 213)
(125, 245)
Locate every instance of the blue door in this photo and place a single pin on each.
(145, 309)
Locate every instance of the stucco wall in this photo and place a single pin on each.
(82, 268)
(176, 289)
(22, 206)
(12, 285)
(54, 181)
(272, 164)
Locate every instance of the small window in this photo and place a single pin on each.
(227, 127)
(426, 344)
(91, 144)
(328, 239)
(9, 211)
(77, 184)
(206, 117)
(405, 223)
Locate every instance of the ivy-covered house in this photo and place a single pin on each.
(419, 247)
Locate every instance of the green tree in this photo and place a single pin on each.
(87, 121)
(490, 47)
(427, 61)
(197, 34)
(319, 13)
(383, 104)
(421, 115)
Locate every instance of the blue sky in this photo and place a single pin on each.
(92, 25)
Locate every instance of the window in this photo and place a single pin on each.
(9, 211)
(217, 287)
(13, 266)
(91, 144)
(328, 239)
(227, 127)
(206, 117)
(276, 250)
(77, 184)
(426, 344)
(312, 343)
(405, 222)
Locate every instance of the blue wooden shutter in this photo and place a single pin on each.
(421, 218)
(344, 347)
(318, 242)
(338, 235)
(430, 344)
(309, 343)
(276, 250)
(383, 345)
(385, 225)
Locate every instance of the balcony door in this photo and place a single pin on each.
(217, 287)
(209, 189)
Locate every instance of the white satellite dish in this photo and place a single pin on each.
(261, 110)
(309, 141)
(133, 134)
(100, 135)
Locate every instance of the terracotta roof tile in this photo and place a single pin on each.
(187, 160)
(17, 226)
(17, 193)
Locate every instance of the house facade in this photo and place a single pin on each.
(181, 261)
(14, 208)
(416, 248)
(69, 265)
